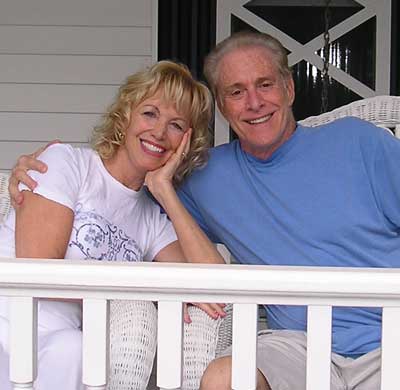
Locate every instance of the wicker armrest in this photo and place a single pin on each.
(133, 339)
(4, 196)
(383, 111)
(204, 340)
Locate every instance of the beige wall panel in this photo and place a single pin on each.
(9, 151)
(45, 127)
(90, 99)
(77, 12)
(69, 69)
(75, 40)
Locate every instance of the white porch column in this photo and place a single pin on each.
(23, 342)
(319, 340)
(95, 343)
(390, 348)
(244, 346)
(169, 352)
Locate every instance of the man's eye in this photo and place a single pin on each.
(236, 92)
(266, 85)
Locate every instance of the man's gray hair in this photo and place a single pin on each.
(240, 40)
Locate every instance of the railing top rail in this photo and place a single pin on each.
(236, 283)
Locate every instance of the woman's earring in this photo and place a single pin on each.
(120, 137)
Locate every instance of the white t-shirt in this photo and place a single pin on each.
(112, 222)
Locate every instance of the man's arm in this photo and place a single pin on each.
(19, 174)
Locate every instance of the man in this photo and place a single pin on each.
(321, 197)
(318, 197)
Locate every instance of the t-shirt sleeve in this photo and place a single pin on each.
(383, 165)
(61, 181)
(163, 234)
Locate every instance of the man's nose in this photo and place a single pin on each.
(254, 100)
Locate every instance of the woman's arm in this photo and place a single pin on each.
(196, 246)
(192, 245)
(42, 228)
(173, 252)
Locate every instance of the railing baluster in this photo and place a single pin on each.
(95, 343)
(319, 340)
(169, 352)
(244, 346)
(23, 342)
(390, 348)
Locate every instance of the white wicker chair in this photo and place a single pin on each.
(133, 336)
(4, 197)
(383, 111)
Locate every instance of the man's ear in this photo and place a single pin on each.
(220, 103)
(289, 83)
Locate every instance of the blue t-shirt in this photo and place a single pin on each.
(330, 196)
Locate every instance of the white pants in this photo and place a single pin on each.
(133, 334)
(59, 348)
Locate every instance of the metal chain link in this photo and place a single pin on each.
(325, 69)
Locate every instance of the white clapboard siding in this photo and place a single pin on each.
(56, 98)
(61, 63)
(11, 150)
(45, 126)
(76, 12)
(69, 69)
(73, 40)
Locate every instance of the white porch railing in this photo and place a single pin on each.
(170, 284)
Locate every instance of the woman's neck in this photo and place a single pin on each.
(123, 172)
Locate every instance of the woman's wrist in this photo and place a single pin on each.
(163, 192)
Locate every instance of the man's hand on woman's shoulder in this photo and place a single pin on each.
(19, 173)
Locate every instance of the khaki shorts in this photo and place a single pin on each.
(281, 357)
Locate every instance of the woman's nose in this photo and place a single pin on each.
(159, 130)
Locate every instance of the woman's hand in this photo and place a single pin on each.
(214, 310)
(160, 180)
(19, 174)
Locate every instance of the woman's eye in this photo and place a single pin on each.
(149, 114)
(177, 126)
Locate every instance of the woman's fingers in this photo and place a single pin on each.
(214, 310)
(186, 316)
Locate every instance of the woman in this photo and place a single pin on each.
(91, 204)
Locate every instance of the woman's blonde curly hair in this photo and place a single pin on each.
(174, 81)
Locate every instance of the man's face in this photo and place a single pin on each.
(256, 100)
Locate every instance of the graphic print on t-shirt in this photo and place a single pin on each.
(99, 239)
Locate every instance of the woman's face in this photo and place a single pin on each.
(154, 133)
